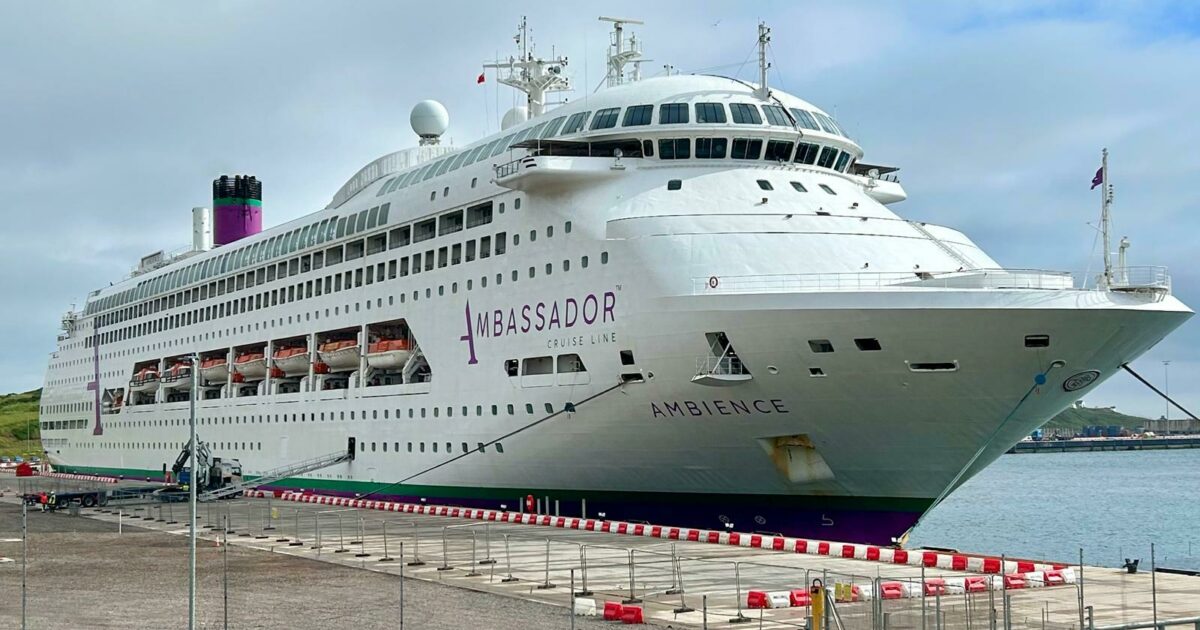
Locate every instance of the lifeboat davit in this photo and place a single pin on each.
(251, 365)
(214, 370)
(340, 355)
(178, 376)
(292, 361)
(144, 380)
(388, 354)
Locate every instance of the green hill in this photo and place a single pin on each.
(1076, 418)
(19, 423)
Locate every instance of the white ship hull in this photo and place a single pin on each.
(855, 444)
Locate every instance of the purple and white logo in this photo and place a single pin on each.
(594, 309)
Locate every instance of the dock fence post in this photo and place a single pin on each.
(362, 540)
(317, 532)
(487, 545)
(508, 562)
(401, 585)
(270, 515)
(571, 594)
(583, 568)
(445, 554)
(341, 537)
(737, 582)
(632, 593)
(416, 561)
(474, 572)
(386, 557)
(296, 541)
(546, 582)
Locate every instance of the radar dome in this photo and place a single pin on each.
(514, 116)
(429, 120)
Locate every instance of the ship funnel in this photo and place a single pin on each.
(237, 208)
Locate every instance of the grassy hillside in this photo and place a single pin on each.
(1077, 417)
(19, 423)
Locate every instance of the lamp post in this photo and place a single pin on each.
(192, 494)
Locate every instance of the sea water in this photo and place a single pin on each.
(1113, 505)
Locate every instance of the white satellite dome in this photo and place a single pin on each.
(514, 116)
(429, 119)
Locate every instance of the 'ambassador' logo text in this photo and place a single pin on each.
(543, 316)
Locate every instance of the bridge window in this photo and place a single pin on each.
(673, 113)
(827, 124)
(552, 129)
(765, 185)
(678, 149)
(746, 149)
(828, 157)
(868, 344)
(636, 116)
(605, 118)
(804, 119)
(820, 346)
(711, 148)
(778, 150)
(776, 116)
(827, 189)
(842, 161)
(709, 113)
(799, 187)
(575, 123)
(745, 114)
(807, 153)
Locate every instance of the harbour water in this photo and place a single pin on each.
(1048, 505)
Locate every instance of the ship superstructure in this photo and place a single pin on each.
(683, 299)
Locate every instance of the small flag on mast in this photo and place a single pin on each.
(1098, 179)
(481, 78)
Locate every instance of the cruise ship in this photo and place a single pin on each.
(685, 299)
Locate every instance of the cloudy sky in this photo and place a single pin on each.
(114, 118)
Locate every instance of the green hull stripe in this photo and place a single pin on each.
(887, 504)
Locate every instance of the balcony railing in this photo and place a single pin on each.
(1128, 279)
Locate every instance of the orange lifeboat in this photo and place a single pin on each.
(291, 361)
(251, 365)
(340, 356)
(144, 380)
(178, 376)
(215, 369)
(388, 354)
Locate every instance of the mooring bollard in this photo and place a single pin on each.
(632, 593)
(362, 550)
(386, 557)
(546, 582)
(508, 562)
(416, 561)
(445, 554)
(296, 542)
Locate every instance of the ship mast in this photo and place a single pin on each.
(1106, 197)
(532, 75)
(619, 56)
(764, 38)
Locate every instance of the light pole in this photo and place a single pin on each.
(192, 494)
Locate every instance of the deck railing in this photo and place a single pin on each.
(1130, 278)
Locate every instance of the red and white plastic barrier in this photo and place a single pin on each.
(100, 478)
(887, 555)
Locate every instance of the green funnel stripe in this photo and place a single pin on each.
(236, 201)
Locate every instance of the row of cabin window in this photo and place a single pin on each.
(257, 446)
(447, 223)
(338, 282)
(422, 412)
(534, 366)
(636, 115)
(65, 408)
(300, 238)
(53, 425)
(752, 149)
(303, 290)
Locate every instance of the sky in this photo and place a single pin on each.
(115, 117)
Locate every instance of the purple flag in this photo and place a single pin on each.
(1099, 178)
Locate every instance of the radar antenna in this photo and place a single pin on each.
(764, 38)
(619, 56)
(530, 74)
